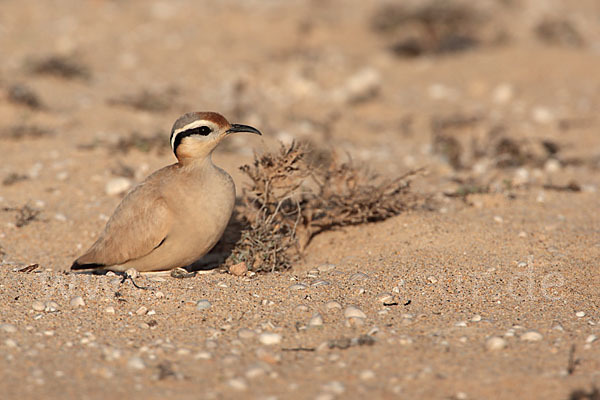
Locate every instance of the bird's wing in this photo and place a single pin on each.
(138, 226)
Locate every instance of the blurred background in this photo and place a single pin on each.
(488, 96)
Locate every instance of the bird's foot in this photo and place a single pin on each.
(132, 274)
(181, 273)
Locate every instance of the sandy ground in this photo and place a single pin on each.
(488, 291)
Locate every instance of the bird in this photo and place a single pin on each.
(178, 213)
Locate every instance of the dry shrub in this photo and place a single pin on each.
(296, 194)
(65, 67)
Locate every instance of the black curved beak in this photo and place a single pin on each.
(243, 128)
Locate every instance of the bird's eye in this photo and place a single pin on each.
(201, 130)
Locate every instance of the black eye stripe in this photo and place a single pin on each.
(201, 130)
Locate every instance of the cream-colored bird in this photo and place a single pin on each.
(178, 213)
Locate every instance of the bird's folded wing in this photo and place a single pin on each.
(138, 226)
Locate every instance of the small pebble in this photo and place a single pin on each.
(361, 86)
(77, 301)
(316, 320)
(591, 339)
(495, 343)
(269, 338)
(117, 186)
(255, 372)
(354, 321)
(10, 343)
(141, 311)
(203, 355)
(333, 305)
(531, 336)
(136, 363)
(8, 328)
(385, 298)
(109, 310)
(246, 333)
(326, 267)
(503, 93)
(298, 286)
(476, 318)
(38, 306)
(159, 295)
(432, 279)
(405, 340)
(320, 282)
(237, 384)
(238, 269)
(354, 312)
(359, 276)
(367, 375)
(580, 314)
(51, 306)
(202, 305)
(335, 387)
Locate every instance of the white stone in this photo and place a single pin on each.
(38, 306)
(117, 186)
(367, 375)
(316, 320)
(361, 86)
(237, 384)
(580, 314)
(298, 286)
(142, 310)
(531, 336)
(202, 305)
(136, 363)
(503, 93)
(8, 328)
(51, 306)
(354, 312)
(326, 267)
(159, 295)
(542, 115)
(552, 166)
(245, 333)
(77, 301)
(109, 310)
(203, 355)
(359, 276)
(476, 318)
(591, 339)
(385, 298)
(335, 387)
(255, 372)
(333, 305)
(269, 338)
(495, 343)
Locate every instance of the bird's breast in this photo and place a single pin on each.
(204, 204)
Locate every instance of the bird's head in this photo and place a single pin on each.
(195, 135)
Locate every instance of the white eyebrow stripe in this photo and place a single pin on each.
(191, 125)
